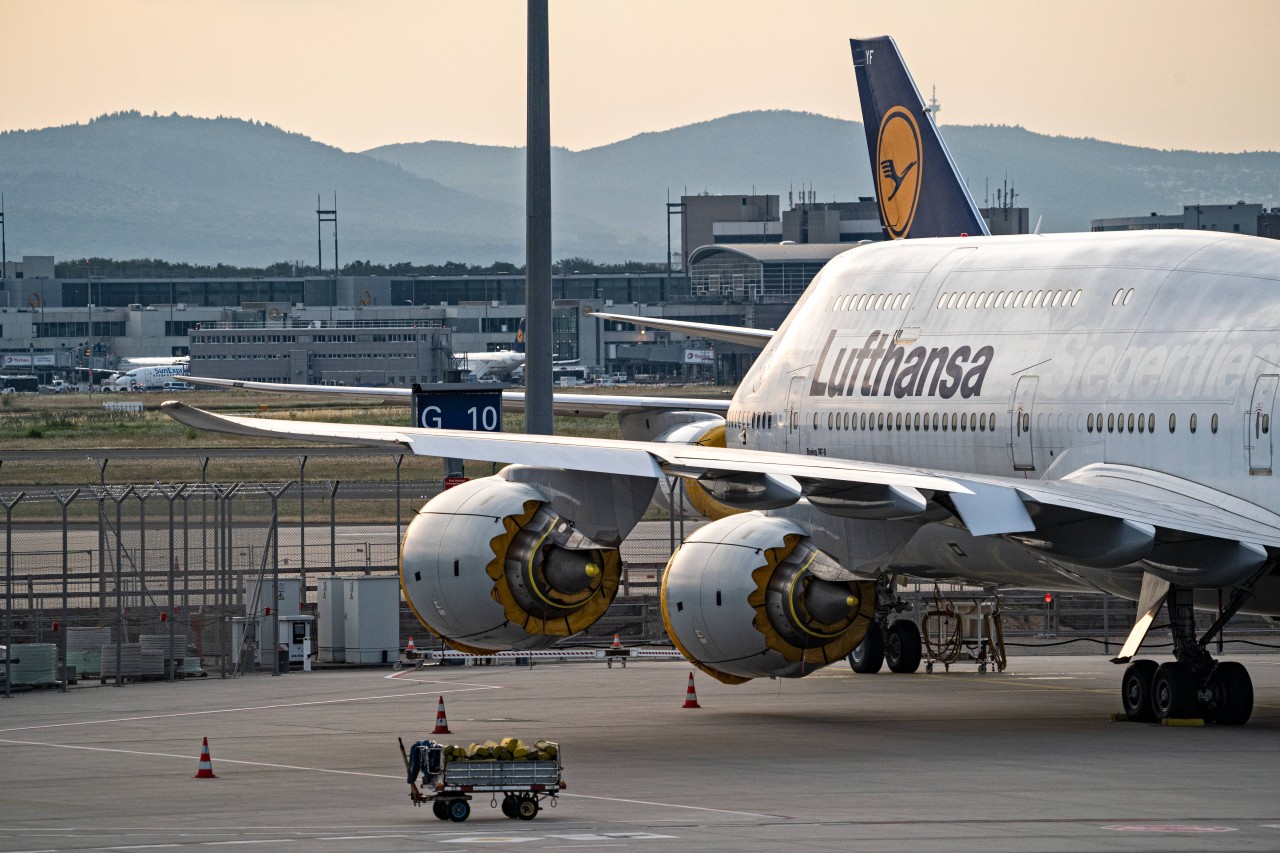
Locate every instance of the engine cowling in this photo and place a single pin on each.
(489, 565)
(740, 600)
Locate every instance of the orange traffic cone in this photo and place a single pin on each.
(442, 723)
(409, 649)
(616, 644)
(690, 695)
(206, 766)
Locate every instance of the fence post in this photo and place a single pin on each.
(8, 593)
(399, 459)
(302, 527)
(120, 626)
(273, 542)
(333, 523)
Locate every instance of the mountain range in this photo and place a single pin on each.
(241, 192)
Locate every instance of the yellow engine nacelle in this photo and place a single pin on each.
(740, 601)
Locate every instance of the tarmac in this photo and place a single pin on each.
(1023, 760)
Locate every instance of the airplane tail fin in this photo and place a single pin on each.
(918, 186)
(519, 344)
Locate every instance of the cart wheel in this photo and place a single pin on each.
(928, 668)
(440, 808)
(396, 666)
(459, 810)
(511, 806)
(528, 808)
(982, 667)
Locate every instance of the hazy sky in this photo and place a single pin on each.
(1169, 74)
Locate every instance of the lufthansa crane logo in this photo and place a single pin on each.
(898, 153)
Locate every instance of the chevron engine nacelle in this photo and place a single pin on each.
(742, 599)
(491, 564)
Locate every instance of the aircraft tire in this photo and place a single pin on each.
(1135, 691)
(1232, 690)
(1173, 692)
(868, 657)
(902, 647)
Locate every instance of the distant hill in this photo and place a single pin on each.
(241, 192)
(1069, 181)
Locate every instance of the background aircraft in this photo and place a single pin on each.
(1078, 411)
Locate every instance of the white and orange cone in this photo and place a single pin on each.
(409, 649)
(442, 722)
(616, 644)
(690, 695)
(206, 766)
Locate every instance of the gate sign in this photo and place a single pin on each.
(464, 408)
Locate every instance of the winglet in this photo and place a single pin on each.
(918, 186)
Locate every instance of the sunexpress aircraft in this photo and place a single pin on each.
(1069, 412)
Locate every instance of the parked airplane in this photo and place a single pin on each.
(150, 376)
(1076, 411)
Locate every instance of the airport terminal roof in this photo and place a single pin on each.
(773, 252)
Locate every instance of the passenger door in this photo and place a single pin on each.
(1257, 425)
(1020, 422)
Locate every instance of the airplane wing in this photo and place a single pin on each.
(570, 405)
(1144, 503)
(729, 334)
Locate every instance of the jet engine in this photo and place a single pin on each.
(491, 564)
(742, 598)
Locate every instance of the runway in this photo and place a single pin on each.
(1023, 760)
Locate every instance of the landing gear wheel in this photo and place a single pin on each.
(459, 810)
(509, 806)
(440, 808)
(1135, 691)
(1173, 692)
(1232, 691)
(868, 657)
(527, 808)
(902, 648)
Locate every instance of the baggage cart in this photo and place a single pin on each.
(519, 786)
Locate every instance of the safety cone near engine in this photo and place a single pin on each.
(442, 723)
(690, 695)
(206, 766)
(616, 644)
(409, 649)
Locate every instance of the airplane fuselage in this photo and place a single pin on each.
(1033, 356)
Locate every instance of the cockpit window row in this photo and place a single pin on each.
(1010, 299)
(870, 302)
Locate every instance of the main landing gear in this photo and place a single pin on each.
(1194, 685)
(896, 643)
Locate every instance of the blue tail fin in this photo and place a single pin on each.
(917, 184)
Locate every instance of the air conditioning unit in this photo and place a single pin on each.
(135, 306)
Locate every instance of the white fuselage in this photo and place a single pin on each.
(154, 376)
(1033, 356)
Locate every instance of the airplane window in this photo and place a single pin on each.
(1091, 422)
(1266, 424)
(1057, 296)
(964, 422)
(1111, 423)
(1041, 299)
(906, 300)
(992, 421)
(1173, 422)
(944, 423)
(846, 420)
(1193, 424)
(830, 417)
(1115, 300)
(1151, 422)
(1075, 299)
(1131, 422)
(880, 301)
(880, 421)
(1026, 422)
(1128, 296)
(898, 424)
(954, 420)
(1017, 300)
(1213, 424)
(974, 301)
(935, 421)
(942, 300)
(1142, 424)
(982, 422)
(1008, 299)
(815, 420)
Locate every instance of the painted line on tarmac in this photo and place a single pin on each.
(188, 758)
(469, 689)
(671, 805)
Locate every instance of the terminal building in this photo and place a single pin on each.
(1238, 218)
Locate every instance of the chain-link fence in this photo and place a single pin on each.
(167, 580)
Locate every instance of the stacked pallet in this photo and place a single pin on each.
(37, 664)
(84, 649)
(130, 660)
